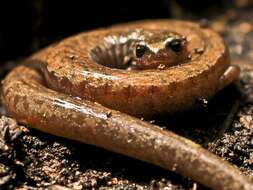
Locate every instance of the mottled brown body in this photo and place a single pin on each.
(56, 91)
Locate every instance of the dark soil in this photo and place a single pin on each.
(33, 160)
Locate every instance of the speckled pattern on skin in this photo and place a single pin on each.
(62, 67)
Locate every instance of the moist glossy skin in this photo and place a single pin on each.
(57, 90)
(70, 68)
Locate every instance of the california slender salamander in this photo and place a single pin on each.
(144, 69)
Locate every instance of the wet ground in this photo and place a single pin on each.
(33, 160)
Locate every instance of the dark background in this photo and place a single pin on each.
(26, 26)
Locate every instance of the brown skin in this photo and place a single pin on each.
(67, 68)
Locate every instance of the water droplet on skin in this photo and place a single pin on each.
(199, 50)
(71, 56)
(161, 67)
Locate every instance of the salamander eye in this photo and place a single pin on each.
(175, 45)
(140, 50)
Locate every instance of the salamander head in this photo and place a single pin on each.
(160, 49)
(141, 49)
